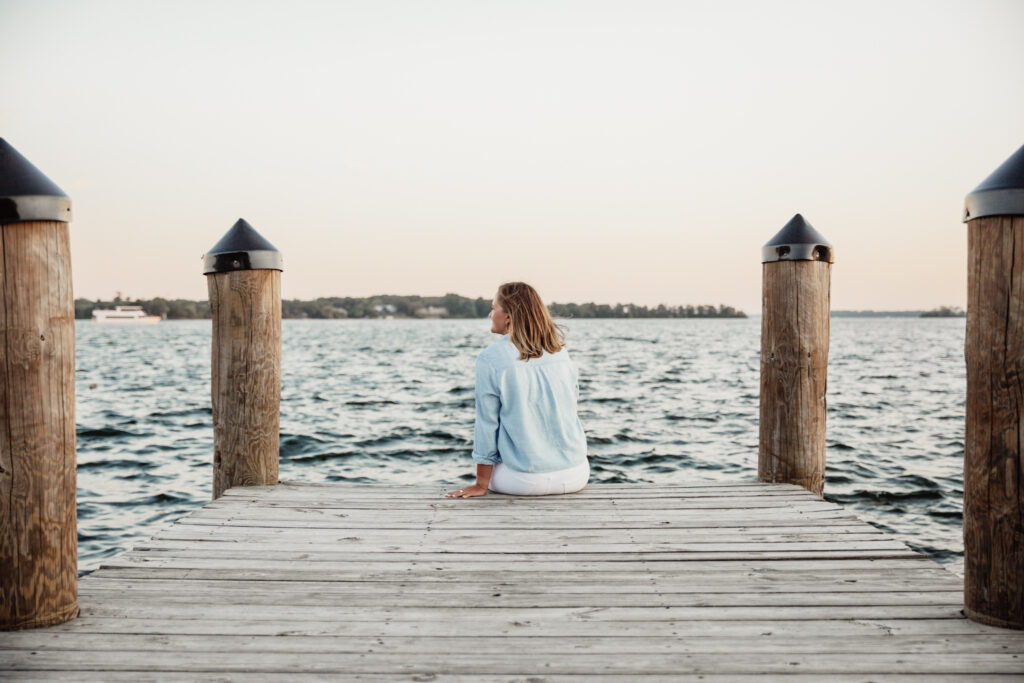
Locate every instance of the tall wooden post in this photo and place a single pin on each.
(994, 444)
(38, 521)
(796, 276)
(244, 279)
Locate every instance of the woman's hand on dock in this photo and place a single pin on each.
(468, 492)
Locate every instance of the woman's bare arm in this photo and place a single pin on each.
(483, 478)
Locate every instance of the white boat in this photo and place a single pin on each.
(124, 315)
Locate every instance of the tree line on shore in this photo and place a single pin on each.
(398, 306)
(945, 312)
(940, 312)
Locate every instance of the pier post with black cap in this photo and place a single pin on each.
(38, 523)
(796, 277)
(994, 438)
(244, 280)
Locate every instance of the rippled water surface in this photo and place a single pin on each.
(391, 401)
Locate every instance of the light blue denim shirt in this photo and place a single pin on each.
(526, 410)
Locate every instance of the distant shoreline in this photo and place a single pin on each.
(453, 306)
(941, 312)
(835, 314)
(389, 306)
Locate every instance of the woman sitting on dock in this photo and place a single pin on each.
(528, 439)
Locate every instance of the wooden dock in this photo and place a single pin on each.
(709, 582)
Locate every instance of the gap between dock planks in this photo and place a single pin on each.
(704, 582)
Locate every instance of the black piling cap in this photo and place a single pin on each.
(26, 194)
(242, 248)
(797, 241)
(1001, 194)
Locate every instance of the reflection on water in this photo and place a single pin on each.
(668, 401)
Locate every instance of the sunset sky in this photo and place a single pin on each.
(610, 151)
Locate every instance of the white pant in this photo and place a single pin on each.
(514, 483)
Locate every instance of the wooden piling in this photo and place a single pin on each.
(796, 274)
(38, 524)
(993, 452)
(244, 280)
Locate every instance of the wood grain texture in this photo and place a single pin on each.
(993, 453)
(245, 375)
(436, 600)
(38, 535)
(794, 373)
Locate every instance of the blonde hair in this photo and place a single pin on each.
(531, 328)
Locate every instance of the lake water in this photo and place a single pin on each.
(391, 401)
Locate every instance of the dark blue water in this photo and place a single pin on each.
(391, 401)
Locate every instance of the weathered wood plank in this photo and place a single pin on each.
(599, 494)
(517, 663)
(469, 512)
(692, 582)
(506, 599)
(484, 613)
(242, 557)
(647, 526)
(524, 535)
(564, 585)
(397, 554)
(257, 677)
(732, 645)
(594, 494)
(502, 625)
(736, 502)
(341, 487)
(568, 520)
(385, 546)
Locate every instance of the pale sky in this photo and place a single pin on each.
(609, 151)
